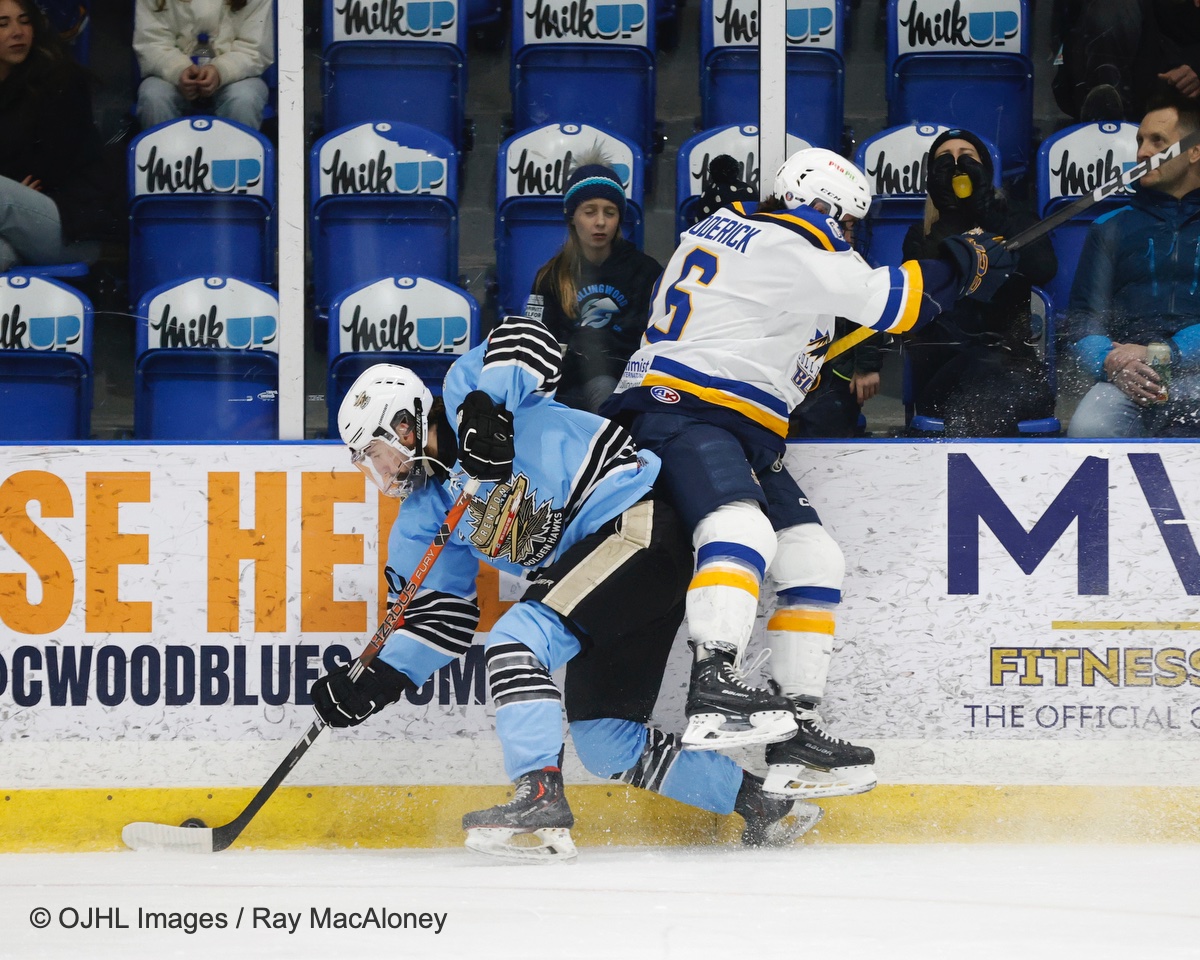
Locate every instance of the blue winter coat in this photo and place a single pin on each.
(1138, 280)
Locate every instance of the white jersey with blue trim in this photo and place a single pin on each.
(745, 312)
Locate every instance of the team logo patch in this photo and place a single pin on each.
(509, 524)
(664, 394)
(361, 400)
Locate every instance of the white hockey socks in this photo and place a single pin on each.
(734, 546)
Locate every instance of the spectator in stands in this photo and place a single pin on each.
(848, 379)
(1115, 51)
(1138, 284)
(55, 200)
(974, 366)
(178, 75)
(68, 17)
(594, 294)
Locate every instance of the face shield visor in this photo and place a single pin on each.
(394, 471)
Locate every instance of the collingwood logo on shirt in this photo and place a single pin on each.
(533, 532)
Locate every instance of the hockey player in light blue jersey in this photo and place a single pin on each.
(565, 493)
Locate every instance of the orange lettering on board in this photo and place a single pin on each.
(389, 507)
(31, 544)
(265, 544)
(108, 549)
(321, 549)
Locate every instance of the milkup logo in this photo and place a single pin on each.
(378, 175)
(582, 20)
(950, 27)
(533, 176)
(208, 329)
(1083, 501)
(1075, 178)
(193, 174)
(736, 22)
(903, 176)
(540, 178)
(396, 332)
(40, 333)
(396, 19)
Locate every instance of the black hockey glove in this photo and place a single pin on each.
(983, 205)
(342, 702)
(982, 263)
(485, 438)
(940, 183)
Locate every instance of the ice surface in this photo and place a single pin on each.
(836, 901)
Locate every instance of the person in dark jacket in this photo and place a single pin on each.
(594, 294)
(1137, 285)
(974, 366)
(847, 381)
(1115, 52)
(55, 198)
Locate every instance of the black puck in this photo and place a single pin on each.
(194, 822)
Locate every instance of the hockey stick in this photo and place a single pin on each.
(1042, 227)
(1126, 179)
(160, 836)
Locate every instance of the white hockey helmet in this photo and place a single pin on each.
(818, 174)
(384, 420)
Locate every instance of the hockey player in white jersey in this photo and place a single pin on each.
(567, 494)
(738, 330)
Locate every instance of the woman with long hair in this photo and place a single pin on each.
(594, 294)
(55, 199)
(975, 366)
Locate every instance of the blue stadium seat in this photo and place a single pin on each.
(815, 70)
(531, 174)
(1042, 328)
(977, 74)
(895, 163)
(202, 202)
(695, 154)
(412, 70)
(599, 73)
(207, 363)
(1070, 163)
(45, 360)
(417, 322)
(384, 203)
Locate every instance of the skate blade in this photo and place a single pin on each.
(706, 731)
(548, 845)
(803, 817)
(797, 780)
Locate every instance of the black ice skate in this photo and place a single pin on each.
(812, 764)
(772, 821)
(724, 711)
(538, 811)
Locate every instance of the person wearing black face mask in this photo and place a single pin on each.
(974, 366)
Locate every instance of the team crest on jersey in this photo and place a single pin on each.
(509, 525)
(664, 394)
(812, 357)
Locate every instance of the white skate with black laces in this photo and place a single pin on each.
(724, 711)
(533, 827)
(812, 764)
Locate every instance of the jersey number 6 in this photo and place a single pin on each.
(679, 300)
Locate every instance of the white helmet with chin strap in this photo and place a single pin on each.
(384, 420)
(819, 174)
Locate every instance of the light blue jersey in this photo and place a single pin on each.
(573, 472)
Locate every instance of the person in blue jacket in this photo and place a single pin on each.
(1136, 293)
(564, 493)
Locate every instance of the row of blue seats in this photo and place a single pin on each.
(972, 68)
(207, 364)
